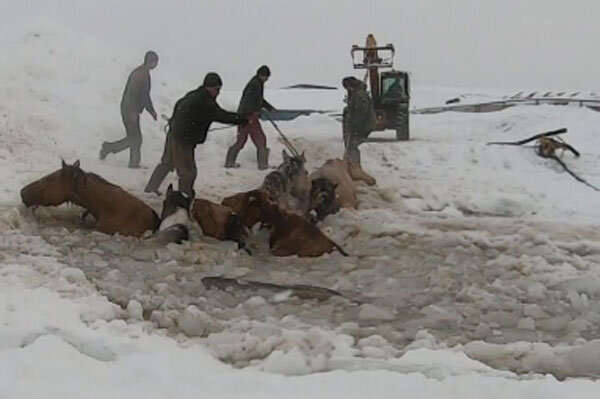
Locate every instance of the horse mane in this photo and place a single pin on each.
(99, 179)
(288, 169)
(81, 177)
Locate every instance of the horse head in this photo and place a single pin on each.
(248, 205)
(322, 197)
(175, 201)
(295, 172)
(53, 189)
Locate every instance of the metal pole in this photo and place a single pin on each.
(287, 143)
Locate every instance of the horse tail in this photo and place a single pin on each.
(340, 249)
(155, 221)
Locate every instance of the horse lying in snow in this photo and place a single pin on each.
(114, 209)
(218, 221)
(174, 218)
(288, 185)
(332, 188)
(290, 233)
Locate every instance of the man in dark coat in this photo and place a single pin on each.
(251, 103)
(188, 127)
(360, 118)
(136, 98)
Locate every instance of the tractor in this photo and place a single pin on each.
(390, 89)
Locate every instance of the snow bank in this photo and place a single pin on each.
(465, 240)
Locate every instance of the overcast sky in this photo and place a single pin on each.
(546, 44)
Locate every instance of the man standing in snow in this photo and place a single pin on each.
(360, 118)
(251, 103)
(136, 98)
(188, 127)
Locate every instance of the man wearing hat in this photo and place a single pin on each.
(251, 103)
(359, 121)
(136, 98)
(360, 117)
(188, 127)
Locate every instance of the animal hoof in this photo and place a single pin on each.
(234, 165)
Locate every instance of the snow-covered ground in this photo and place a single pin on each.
(473, 269)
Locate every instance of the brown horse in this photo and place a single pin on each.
(115, 210)
(290, 233)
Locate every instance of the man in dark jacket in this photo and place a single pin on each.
(360, 117)
(188, 127)
(251, 103)
(136, 98)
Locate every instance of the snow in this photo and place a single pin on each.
(473, 268)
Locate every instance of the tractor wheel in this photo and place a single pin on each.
(402, 123)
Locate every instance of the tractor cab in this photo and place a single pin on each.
(394, 87)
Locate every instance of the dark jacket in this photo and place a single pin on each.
(136, 95)
(360, 111)
(253, 98)
(193, 115)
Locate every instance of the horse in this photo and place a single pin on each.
(114, 209)
(220, 222)
(289, 233)
(322, 197)
(333, 174)
(289, 185)
(174, 217)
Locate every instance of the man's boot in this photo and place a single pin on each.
(232, 154)
(104, 151)
(357, 173)
(186, 185)
(160, 172)
(355, 170)
(262, 157)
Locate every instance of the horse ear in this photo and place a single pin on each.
(302, 156)
(286, 157)
(63, 163)
(77, 163)
(170, 188)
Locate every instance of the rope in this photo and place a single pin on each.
(527, 140)
(557, 159)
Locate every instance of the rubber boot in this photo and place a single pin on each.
(103, 151)
(158, 175)
(262, 158)
(232, 154)
(357, 173)
(186, 185)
